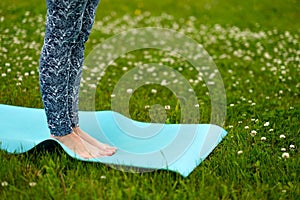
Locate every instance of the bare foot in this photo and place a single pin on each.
(103, 148)
(79, 146)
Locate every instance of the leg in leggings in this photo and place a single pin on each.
(63, 28)
(76, 60)
(75, 75)
(69, 23)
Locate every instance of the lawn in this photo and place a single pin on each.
(255, 47)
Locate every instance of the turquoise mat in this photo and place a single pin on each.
(176, 147)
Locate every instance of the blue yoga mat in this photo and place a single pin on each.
(175, 147)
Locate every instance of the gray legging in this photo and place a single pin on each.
(68, 25)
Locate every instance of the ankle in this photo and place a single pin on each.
(60, 136)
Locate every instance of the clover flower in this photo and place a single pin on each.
(263, 138)
(253, 133)
(167, 107)
(32, 184)
(282, 136)
(4, 184)
(285, 155)
(292, 146)
(283, 149)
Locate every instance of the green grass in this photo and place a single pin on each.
(255, 45)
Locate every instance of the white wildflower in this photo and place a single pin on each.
(285, 155)
(282, 136)
(253, 133)
(292, 146)
(4, 184)
(32, 184)
(129, 90)
(154, 91)
(263, 138)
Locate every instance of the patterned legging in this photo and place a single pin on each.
(68, 26)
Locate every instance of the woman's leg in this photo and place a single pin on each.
(76, 63)
(77, 58)
(63, 28)
(57, 69)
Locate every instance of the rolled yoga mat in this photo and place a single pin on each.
(147, 146)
